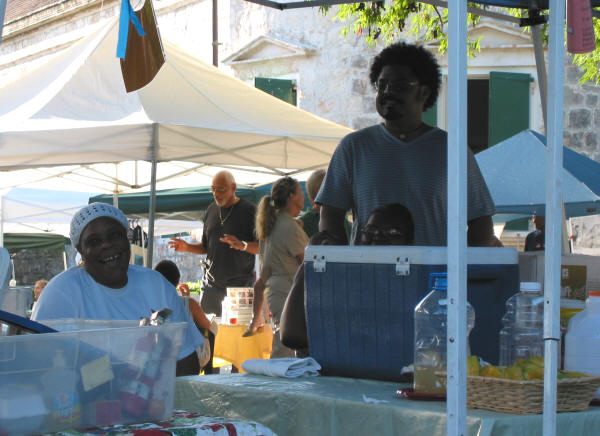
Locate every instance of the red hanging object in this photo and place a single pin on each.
(580, 29)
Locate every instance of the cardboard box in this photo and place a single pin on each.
(577, 270)
(89, 374)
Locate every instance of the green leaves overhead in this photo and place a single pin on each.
(383, 23)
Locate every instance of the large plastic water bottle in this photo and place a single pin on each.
(522, 334)
(582, 341)
(431, 316)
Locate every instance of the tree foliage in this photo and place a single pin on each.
(384, 22)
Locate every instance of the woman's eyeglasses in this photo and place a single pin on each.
(375, 233)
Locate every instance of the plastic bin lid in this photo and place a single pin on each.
(24, 323)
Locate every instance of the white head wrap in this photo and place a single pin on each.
(91, 212)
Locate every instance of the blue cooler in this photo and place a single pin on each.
(360, 303)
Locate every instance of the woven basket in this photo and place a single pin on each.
(525, 397)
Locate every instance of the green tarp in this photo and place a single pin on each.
(15, 242)
(180, 199)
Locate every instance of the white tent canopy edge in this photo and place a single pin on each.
(74, 110)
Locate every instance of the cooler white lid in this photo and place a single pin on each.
(416, 255)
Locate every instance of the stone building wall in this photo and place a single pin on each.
(189, 264)
(581, 118)
(33, 265)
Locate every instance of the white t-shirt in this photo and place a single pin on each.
(75, 294)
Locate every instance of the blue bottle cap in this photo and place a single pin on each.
(439, 280)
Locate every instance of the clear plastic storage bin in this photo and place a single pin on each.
(91, 373)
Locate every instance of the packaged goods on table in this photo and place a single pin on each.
(90, 373)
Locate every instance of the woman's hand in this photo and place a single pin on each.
(183, 289)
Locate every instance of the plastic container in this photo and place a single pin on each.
(236, 307)
(431, 316)
(16, 299)
(81, 376)
(522, 334)
(582, 341)
(60, 392)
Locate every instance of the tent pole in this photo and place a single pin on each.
(456, 253)
(554, 160)
(2, 12)
(116, 191)
(2, 221)
(152, 206)
(540, 62)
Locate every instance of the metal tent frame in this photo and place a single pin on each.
(457, 152)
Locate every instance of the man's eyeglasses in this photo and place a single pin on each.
(395, 85)
(218, 190)
(373, 233)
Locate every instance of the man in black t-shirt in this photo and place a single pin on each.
(229, 242)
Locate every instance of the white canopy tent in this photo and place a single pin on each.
(74, 110)
(25, 210)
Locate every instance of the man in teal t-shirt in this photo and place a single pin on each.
(310, 217)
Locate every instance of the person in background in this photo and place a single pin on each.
(402, 160)
(38, 287)
(391, 224)
(170, 271)
(282, 244)
(106, 287)
(536, 240)
(229, 242)
(310, 217)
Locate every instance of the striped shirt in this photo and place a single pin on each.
(371, 168)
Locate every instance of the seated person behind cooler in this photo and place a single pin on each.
(170, 272)
(106, 287)
(391, 224)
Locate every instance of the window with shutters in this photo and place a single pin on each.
(497, 108)
(508, 105)
(283, 89)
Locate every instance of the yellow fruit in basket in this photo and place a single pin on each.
(492, 371)
(473, 366)
(513, 372)
(533, 371)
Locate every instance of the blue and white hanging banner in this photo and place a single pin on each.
(127, 13)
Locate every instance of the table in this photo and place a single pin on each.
(231, 346)
(182, 423)
(338, 406)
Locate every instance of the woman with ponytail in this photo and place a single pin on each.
(282, 242)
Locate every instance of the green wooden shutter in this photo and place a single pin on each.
(508, 105)
(280, 88)
(430, 116)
